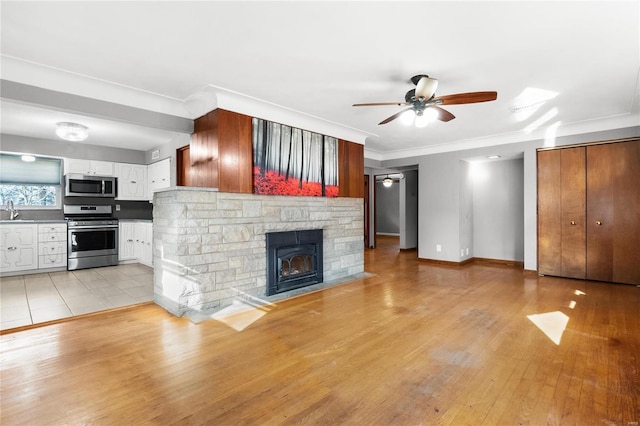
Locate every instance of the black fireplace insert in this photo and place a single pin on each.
(294, 260)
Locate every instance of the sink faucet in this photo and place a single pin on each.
(13, 213)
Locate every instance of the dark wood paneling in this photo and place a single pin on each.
(236, 152)
(350, 169)
(204, 151)
(613, 212)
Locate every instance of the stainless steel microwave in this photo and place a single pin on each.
(90, 186)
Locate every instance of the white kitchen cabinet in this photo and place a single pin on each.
(126, 240)
(52, 245)
(18, 247)
(144, 242)
(132, 181)
(158, 176)
(88, 167)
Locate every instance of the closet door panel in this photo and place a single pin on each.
(573, 216)
(613, 212)
(549, 212)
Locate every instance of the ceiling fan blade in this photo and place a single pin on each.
(394, 116)
(381, 103)
(426, 87)
(466, 98)
(443, 114)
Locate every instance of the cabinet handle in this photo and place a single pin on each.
(12, 248)
(598, 223)
(573, 222)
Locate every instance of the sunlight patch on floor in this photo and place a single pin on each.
(239, 315)
(552, 324)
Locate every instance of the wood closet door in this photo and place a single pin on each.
(561, 212)
(613, 212)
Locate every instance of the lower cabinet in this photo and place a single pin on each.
(136, 242)
(52, 245)
(126, 240)
(18, 247)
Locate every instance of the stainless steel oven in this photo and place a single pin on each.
(92, 237)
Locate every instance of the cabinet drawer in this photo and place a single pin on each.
(52, 260)
(52, 236)
(58, 228)
(52, 248)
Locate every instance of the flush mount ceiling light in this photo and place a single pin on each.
(28, 158)
(493, 157)
(387, 182)
(73, 132)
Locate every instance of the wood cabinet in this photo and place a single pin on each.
(18, 247)
(52, 245)
(132, 181)
(589, 212)
(88, 167)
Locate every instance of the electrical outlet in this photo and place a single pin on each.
(438, 247)
(117, 207)
(461, 252)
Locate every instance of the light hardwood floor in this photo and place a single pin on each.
(415, 344)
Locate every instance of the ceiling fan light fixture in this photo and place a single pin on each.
(422, 120)
(387, 182)
(408, 117)
(73, 132)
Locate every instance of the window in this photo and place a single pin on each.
(35, 184)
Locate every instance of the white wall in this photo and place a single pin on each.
(498, 209)
(466, 211)
(388, 209)
(409, 210)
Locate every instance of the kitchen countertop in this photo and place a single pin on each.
(29, 221)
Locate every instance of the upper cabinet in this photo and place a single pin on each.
(132, 181)
(158, 176)
(88, 167)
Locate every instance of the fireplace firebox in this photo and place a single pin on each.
(294, 260)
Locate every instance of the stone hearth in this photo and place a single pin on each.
(209, 246)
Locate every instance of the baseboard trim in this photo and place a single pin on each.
(409, 249)
(502, 262)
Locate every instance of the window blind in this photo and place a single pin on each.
(42, 171)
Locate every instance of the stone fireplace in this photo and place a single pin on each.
(210, 247)
(294, 260)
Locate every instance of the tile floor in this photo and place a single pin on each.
(31, 299)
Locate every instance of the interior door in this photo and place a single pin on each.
(613, 212)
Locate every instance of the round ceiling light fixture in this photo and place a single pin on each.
(73, 132)
(387, 182)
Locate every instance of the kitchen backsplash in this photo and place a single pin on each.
(128, 209)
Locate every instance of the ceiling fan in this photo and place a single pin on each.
(424, 105)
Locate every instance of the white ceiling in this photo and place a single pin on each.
(316, 59)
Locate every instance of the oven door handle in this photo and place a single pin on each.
(71, 228)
